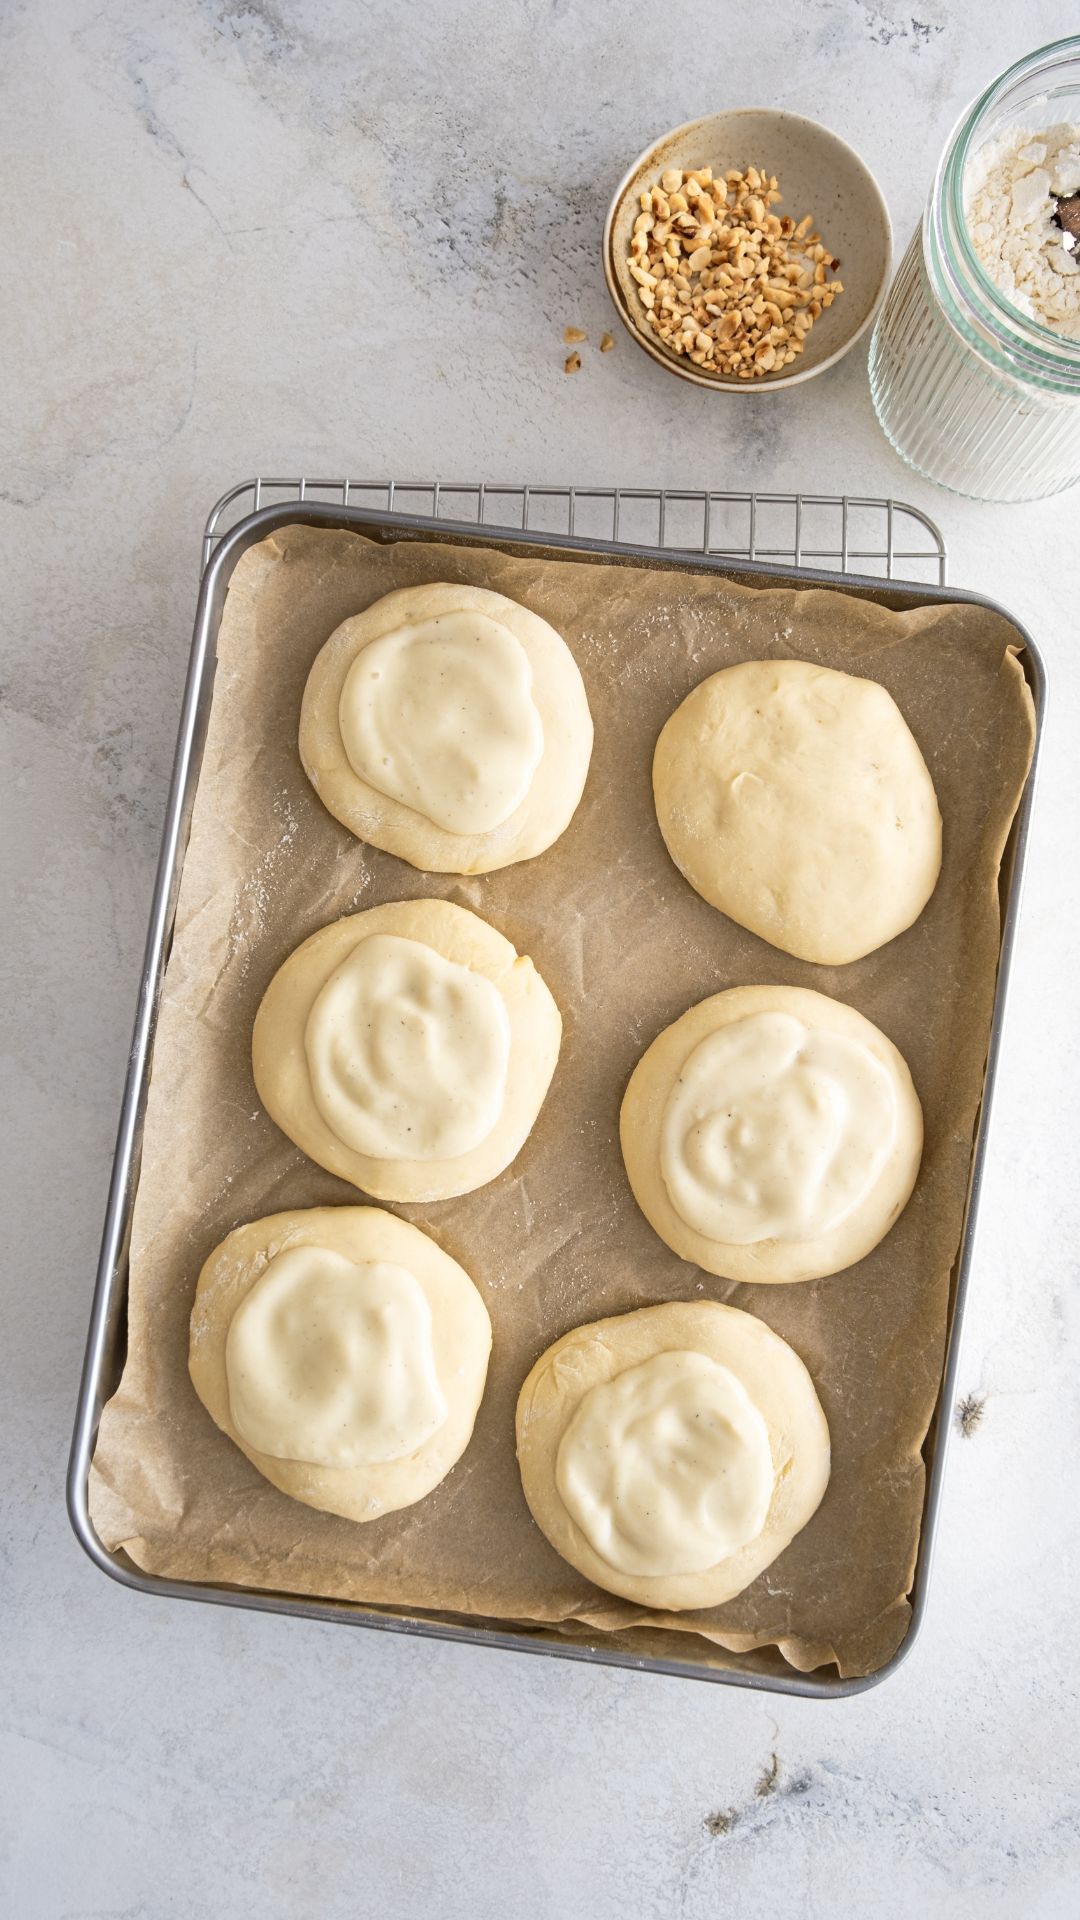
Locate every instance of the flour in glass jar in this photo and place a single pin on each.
(1022, 195)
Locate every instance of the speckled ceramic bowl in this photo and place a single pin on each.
(819, 174)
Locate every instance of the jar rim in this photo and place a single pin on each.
(1063, 352)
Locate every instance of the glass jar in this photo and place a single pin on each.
(971, 392)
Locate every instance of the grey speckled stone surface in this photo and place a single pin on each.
(348, 236)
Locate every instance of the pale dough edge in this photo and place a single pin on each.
(461, 1334)
(279, 1060)
(770, 1262)
(680, 797)
(777, 1381)
(559, 780)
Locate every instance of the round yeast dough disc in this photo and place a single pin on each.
(796, 800)
(771, 1134)
(448, 725)
(407, 1049)
(671, 1454)
(344, 1353)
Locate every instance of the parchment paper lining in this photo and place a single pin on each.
(625, 946)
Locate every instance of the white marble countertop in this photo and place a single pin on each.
(250, 235)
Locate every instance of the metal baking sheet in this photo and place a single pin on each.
(763, 1668)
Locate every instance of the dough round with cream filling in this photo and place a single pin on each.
(771, 1134)
(671, 1454)
(450, 726)
(407, 1049)
(344, 1353)
(796, 800)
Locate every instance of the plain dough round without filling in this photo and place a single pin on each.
(812, 1163)
(774, 1380)
(286, 1028)
(459, 1339)
(795, 799)
(551, 731)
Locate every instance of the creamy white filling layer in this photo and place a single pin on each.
(667, 1468)
(408, 1052)
(441, 717)
(331, 1362)
(775, 1131)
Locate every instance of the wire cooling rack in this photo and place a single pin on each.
(886, 539)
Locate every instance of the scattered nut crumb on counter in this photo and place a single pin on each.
(573, 335)
(607, 341)
(572, 363)
(724, 281)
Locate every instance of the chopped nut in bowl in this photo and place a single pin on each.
(721, 276)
